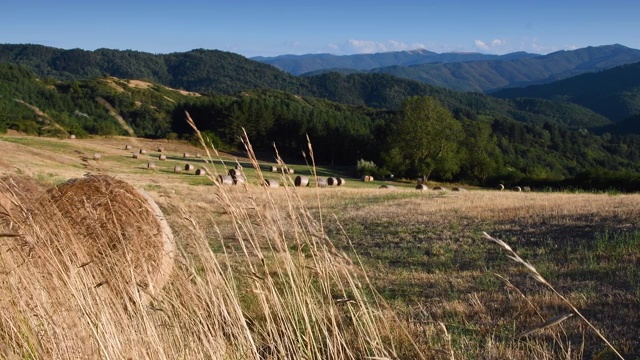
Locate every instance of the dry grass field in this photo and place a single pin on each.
(353, 272)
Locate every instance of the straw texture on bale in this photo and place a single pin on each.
(301, 181)
(422, 187)
(273, 183)
(96, 156)
(189, 167)
(121, 230)
(15, 191)
(162, 157)
(127, 147)
(225, 180)
(103, 240)
(177, 169)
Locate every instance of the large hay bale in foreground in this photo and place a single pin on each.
(87, 248)
(120, 231)
(15, 192)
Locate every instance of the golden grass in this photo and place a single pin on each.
(240, 254)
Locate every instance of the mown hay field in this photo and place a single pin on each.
(453, 293)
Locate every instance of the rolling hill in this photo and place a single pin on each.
(614, 93)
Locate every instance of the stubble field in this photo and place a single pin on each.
(454, 293)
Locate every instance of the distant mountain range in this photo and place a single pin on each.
(467, 72)
(314, 63)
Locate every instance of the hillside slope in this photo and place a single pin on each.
(614, 93)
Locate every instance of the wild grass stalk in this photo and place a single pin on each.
(538, 277)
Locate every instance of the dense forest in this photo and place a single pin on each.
(538, 142)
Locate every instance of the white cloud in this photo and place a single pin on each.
(355, 46)
(481, 45)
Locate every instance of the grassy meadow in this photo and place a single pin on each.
(349, 272)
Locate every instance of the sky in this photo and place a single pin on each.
(341, 27)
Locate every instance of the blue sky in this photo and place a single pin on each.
(269, 28)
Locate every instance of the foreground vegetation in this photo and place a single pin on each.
(257, 277)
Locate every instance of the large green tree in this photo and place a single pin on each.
(426, 140)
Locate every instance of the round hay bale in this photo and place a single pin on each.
(341, 181)
(390, 187)
(289, 171)
(189, 167)
(301, 181)
(331, 181)
(500, 187)
(151, 166)
(422, 187)
(97, 157)
(127, 147)
(16, 192)
(321, 182)
(440, 188)
(272, 183)
(177, 169)
(239, 179)
(72, 136)
(460, 189)
(517, 189)
(225, 180)
(234, 172)
(119, 229)
(198, 155)
(143, 151)
(135, 155)
(526, 189)
(274, 169)
(201, 172)
(162, 157)
(367, 178)
(186, 155)
(238, 167)
(160, 149)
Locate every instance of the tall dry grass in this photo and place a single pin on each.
(277, 289)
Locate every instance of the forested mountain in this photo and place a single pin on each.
(227, 73)
(309, 63)
(493, 75)
(492, 144)
(614, 93)
(196, 70)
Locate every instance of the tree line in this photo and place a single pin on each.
(425, 137)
